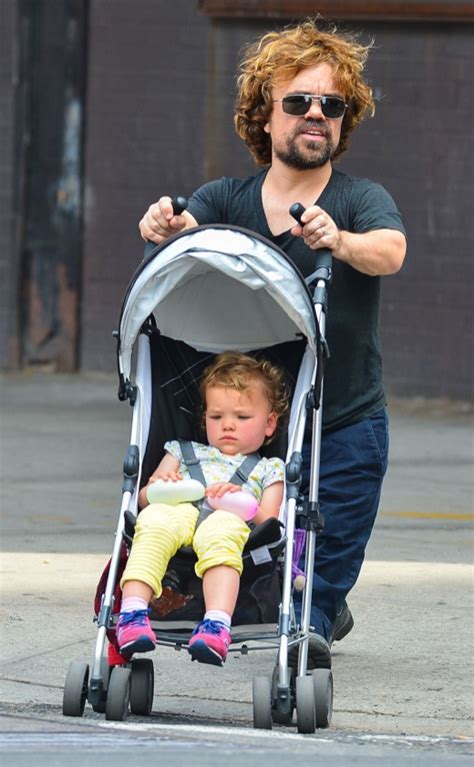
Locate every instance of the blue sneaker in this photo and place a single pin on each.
(134, 633)
(210, 642)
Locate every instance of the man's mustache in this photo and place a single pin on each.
(315, 124)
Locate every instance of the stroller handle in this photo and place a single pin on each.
(323, 269)
(297, 210)
(179, 204)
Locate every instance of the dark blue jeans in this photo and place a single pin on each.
(353, 464)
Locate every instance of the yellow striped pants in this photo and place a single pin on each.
(161, 530)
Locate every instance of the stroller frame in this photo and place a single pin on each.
(111, 686)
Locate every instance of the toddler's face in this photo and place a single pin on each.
(238, 422)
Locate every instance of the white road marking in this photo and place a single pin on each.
(282, 734)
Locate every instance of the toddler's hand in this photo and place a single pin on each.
(224, 496)
(174, 476)
(219, 488)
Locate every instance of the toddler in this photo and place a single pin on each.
(243, 401)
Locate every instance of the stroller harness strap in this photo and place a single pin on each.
(241, 475)
(193, 465)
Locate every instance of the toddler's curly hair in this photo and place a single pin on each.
(234, 370)
(279, 56)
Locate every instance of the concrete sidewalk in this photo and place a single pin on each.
(405, 668)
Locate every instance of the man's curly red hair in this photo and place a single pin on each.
(279, 56)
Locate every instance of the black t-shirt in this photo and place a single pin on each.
(353, 374)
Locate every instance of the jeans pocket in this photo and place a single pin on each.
(377, 426)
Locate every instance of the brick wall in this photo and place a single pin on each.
(160, 91)
(145, 137)
(150, 131)
(8, 267)
(417, 146)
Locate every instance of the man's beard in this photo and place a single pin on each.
(315, 154)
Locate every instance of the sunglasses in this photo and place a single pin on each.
(300, 103)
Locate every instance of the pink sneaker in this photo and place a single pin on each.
(209, 643)
(134, 633)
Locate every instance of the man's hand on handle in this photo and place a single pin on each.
(318, 230)
(160, 221)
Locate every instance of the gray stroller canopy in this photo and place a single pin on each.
(218, 288)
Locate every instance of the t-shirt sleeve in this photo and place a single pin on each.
(174, 449)
(274, 471)
(207, 204)
(372, 207)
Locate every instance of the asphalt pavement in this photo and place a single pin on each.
(404, 672)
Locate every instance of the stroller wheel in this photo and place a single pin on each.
(118, 694)
(262, 702)
(75, 689)
(323, 696)
(280, 717)
(305, 713)
(142, 686)
(105, 671)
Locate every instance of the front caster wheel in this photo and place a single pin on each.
(305, 714)
(262, 703)
(118, 694)
(141, 686)
(75, 688)
(323, 696)
(277, 716)
(105, 671)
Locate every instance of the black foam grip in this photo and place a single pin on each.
(297, 210)
(179, 204)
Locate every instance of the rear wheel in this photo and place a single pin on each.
(75, 689)
(323, 696)
(142, 686)
(262, 702)
(305, 715)
(118, 694)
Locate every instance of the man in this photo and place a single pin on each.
(301, 92)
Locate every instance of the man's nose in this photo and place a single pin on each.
(315, 112)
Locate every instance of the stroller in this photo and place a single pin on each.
(184, 304)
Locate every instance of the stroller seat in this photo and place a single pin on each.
(181, 602)
(268, 533)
